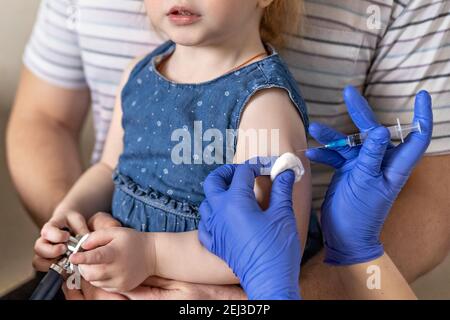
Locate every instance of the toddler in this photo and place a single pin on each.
(193, 104)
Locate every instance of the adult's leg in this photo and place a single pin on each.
(25, 290)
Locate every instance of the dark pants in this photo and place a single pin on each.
(24, 291)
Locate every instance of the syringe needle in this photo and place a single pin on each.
(304, 150)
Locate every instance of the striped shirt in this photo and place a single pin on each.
(389, 49)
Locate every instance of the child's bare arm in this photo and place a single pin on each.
(180, 256)
(273, 110)
(92, 193)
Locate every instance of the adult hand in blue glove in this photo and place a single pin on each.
(261, 247)
(367, 179)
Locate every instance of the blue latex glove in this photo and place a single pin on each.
(261, 247)
(367, 179)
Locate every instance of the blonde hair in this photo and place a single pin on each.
(279, 18)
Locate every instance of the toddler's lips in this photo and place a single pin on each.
(182, 16)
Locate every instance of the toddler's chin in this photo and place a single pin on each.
(188, 38)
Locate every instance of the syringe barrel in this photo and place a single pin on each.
(400, 132)
(356, 139)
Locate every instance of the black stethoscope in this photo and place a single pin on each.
(52, 281)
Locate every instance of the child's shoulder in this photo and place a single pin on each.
(275, 70)
(279, 89)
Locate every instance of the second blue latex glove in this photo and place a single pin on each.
(367, 179)
(261, 247)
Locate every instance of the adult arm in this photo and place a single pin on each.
(421, 213)
(50, 107)
(43, 142)
(361, 280)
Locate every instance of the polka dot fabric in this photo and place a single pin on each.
(154, 192)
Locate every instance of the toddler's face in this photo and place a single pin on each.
(204, 22)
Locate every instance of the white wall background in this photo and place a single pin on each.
(16, 20)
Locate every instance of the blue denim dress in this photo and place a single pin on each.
(153, 192)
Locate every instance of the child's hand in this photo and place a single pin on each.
(117, 259)
(51, 244)
(102, 220)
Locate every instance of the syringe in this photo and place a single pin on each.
(398, 132)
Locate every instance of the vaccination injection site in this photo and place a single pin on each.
(241, 151)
